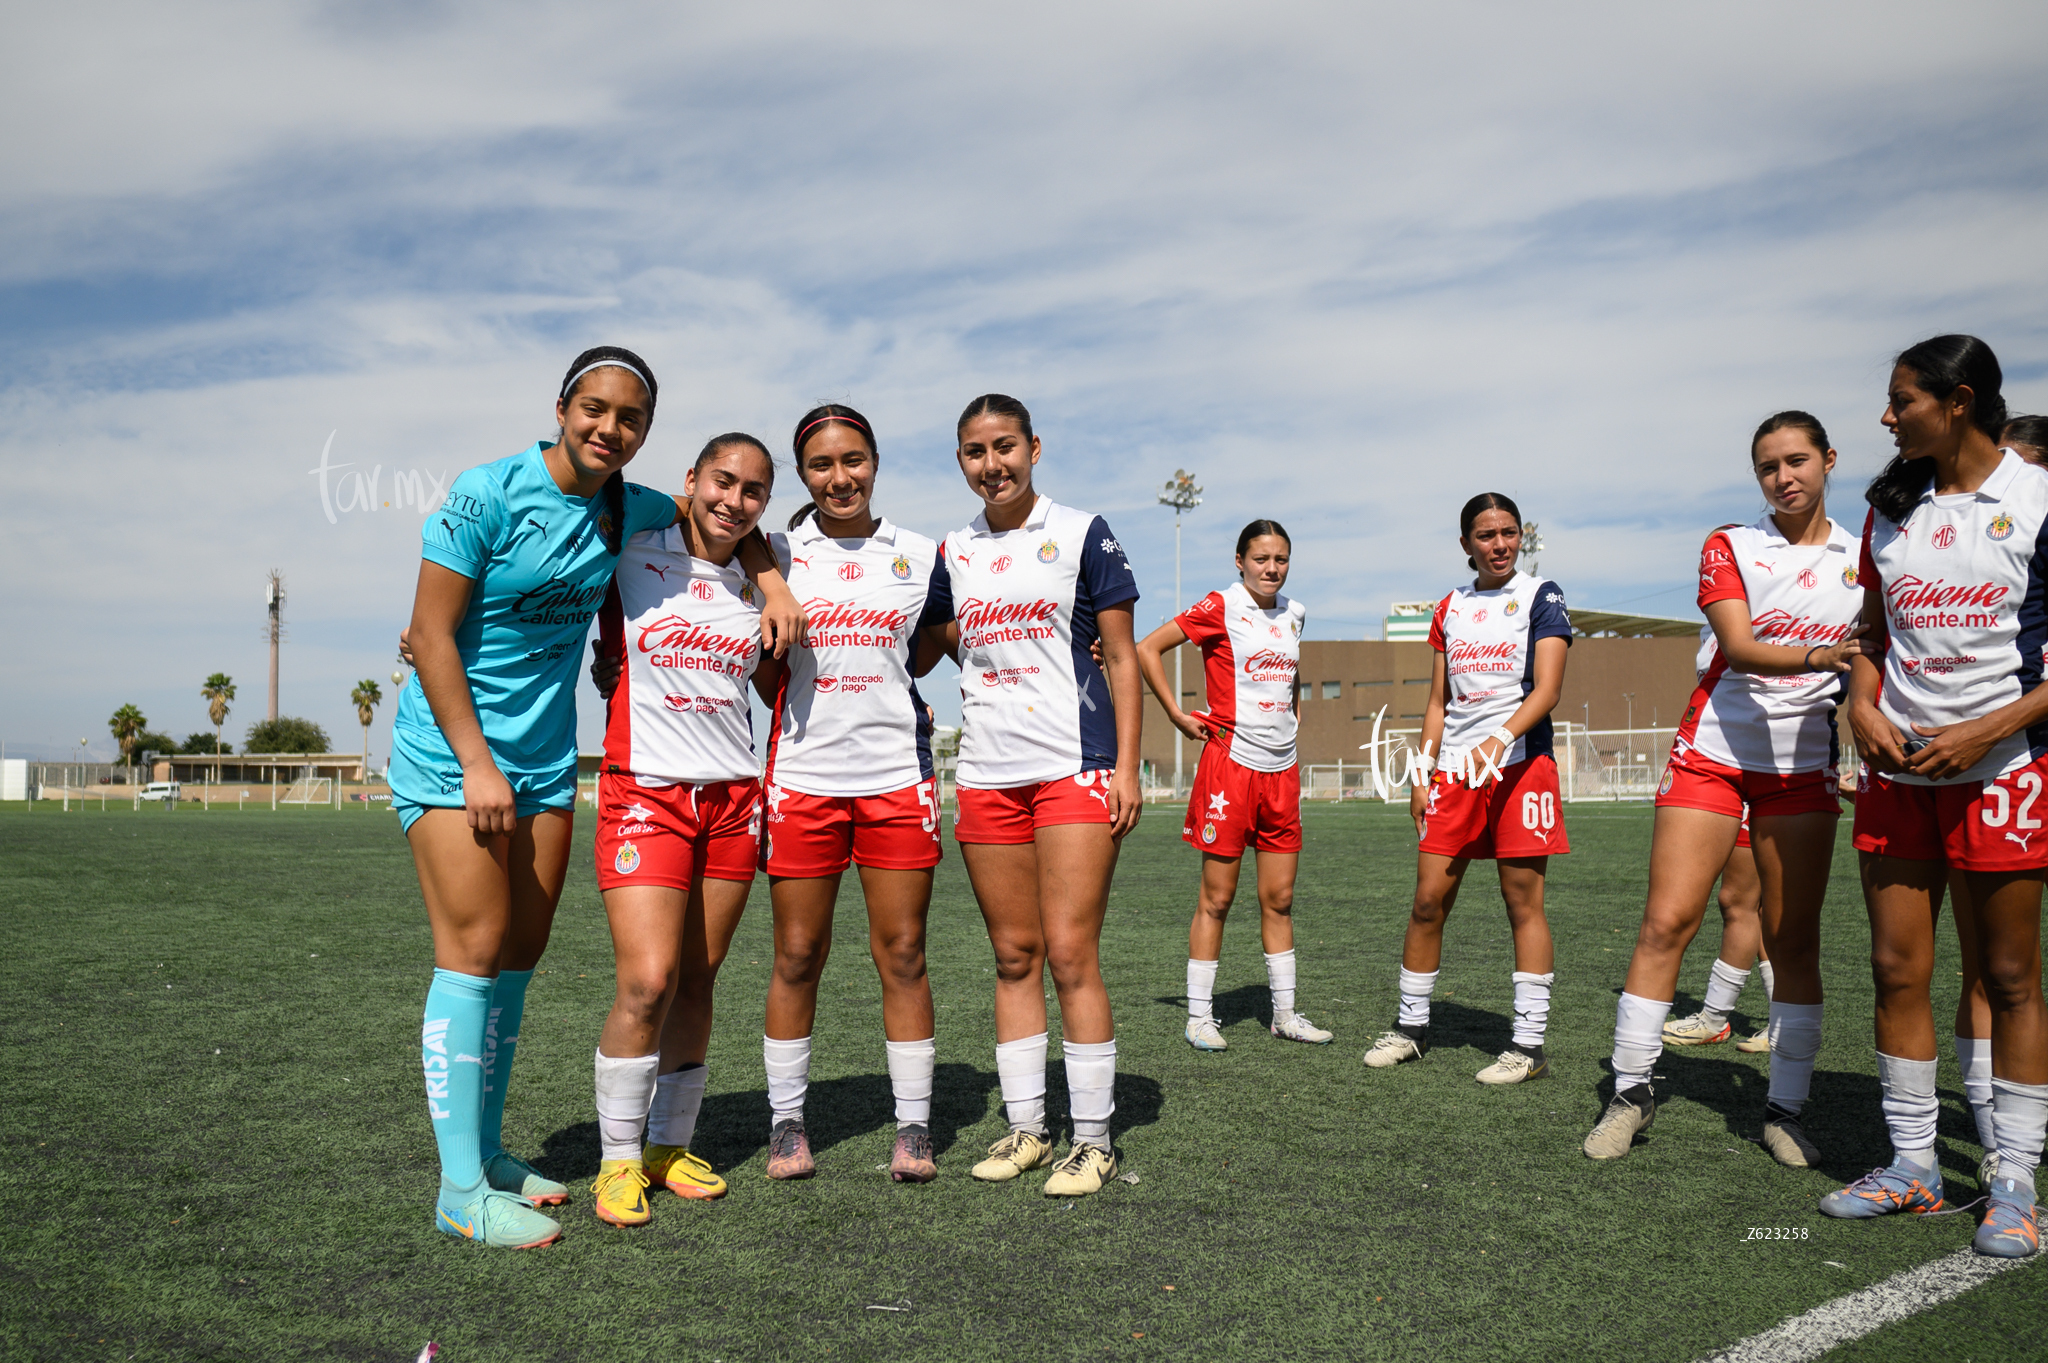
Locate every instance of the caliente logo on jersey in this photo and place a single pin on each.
(997, 622)
(672, 641)
(1269, 665)
(1780, 624)
(1917, 603)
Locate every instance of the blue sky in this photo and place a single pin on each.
(1349, 263)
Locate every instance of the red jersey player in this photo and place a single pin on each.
(1500, 646)
(850, 782)
(1247, 788)
(1782, 600)
(1952, 726)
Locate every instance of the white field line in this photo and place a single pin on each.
(1845, 1318)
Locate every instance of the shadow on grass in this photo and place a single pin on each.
(733, 1127)
(1246, 1003)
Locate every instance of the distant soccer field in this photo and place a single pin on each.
(215, 1145)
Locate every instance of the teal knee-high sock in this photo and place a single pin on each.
(501, 1042)
(452, 1054)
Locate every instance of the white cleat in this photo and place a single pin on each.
(1295, 1027)
(1514, 1066)
(1394, 1047)
(1204, 1035)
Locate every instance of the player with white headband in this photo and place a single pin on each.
(483, 761)
(1048, 777)
(1757, 737)
(1952, 728)
(850, 781)
(679, 819)
(1247, 790)
(1490, 784)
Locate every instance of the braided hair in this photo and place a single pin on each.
(613, 522)
(818, 416)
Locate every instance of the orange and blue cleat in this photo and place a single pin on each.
(1899, 1188)
(2010, 1230)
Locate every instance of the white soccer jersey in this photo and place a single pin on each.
(690, 633)
(1799, 596)
(1488, 640)
(1034, 705)
(848, 720)
(1250, 657)
(1965, 583)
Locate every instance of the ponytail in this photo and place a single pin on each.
(806, 511)
(822, 415)
(1485, 501)
(1940, 365)
(613, 522)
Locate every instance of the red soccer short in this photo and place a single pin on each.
(821, 835)
(1971, 825)
(1517, 815)
(1014, 815)
(1232, 806)
(667, 835)
(1696, 782)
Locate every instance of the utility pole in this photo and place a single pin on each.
(1532, 545)
(1182, 494)
(273, 597)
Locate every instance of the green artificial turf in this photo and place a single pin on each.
(215, 1145)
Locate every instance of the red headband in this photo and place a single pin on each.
(859, 425)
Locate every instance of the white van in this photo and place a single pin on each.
(160, 790)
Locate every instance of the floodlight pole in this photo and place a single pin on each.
(1182, 494)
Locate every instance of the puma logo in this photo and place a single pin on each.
(538, 525)
(2022, 841)
(659, 570)
(1765, 566)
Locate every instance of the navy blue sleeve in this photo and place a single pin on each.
(1105, 578)
(938, 595)
(1547, 616)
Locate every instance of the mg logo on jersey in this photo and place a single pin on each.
(1943, 537)
(1808, 579)
(825, 683)
(849, 572)
(1001, 565)
(1479, 616)
(700, 590)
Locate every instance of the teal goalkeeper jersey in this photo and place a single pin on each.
(538, 558)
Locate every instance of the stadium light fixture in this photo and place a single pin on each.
(1183, 494)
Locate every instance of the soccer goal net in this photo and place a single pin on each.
(309, 790)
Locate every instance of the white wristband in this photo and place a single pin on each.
(1503, 737)
(1424, 767)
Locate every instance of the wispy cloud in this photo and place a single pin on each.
(1349, 263)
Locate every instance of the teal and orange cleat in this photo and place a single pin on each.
(2010, 1229)
(490, 1216)
(508, 1173)
(1899, 1188)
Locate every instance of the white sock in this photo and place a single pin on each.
(1201, 988)
(1910, 1108)
(1091, 1089)
(789, 1077)
(2022, 1121)
(910, 1079)
(1763, 968)
(1020, 1070)
(1638, 1038)
(625, 1091)
(1724, 986)
(1973, 1055)
(1532, 1007)
(678, 1098)
(1280, 980)
(1795, 1041)
(1415, 991)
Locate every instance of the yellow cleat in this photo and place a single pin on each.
(1013, 1155)
(620, 1193)
(1085, 1170)
(682, 1173)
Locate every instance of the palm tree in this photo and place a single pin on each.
(218, 691)
(365, 698)
(127, 724)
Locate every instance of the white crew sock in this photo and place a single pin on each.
(1091, 1089)
(1020, 1070)
(789, 1077)
(1763, 968)
(1280, 980)
(625, 1091)
(1415, 991)
(1724, 986)
(678, 1098)
(2022, 1116)
(1795, 1041)
(1201, 988)
(1973, 1055)
(1638, 1038)
(1909, 1108)
(1532, 1007)
(910, 1079)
